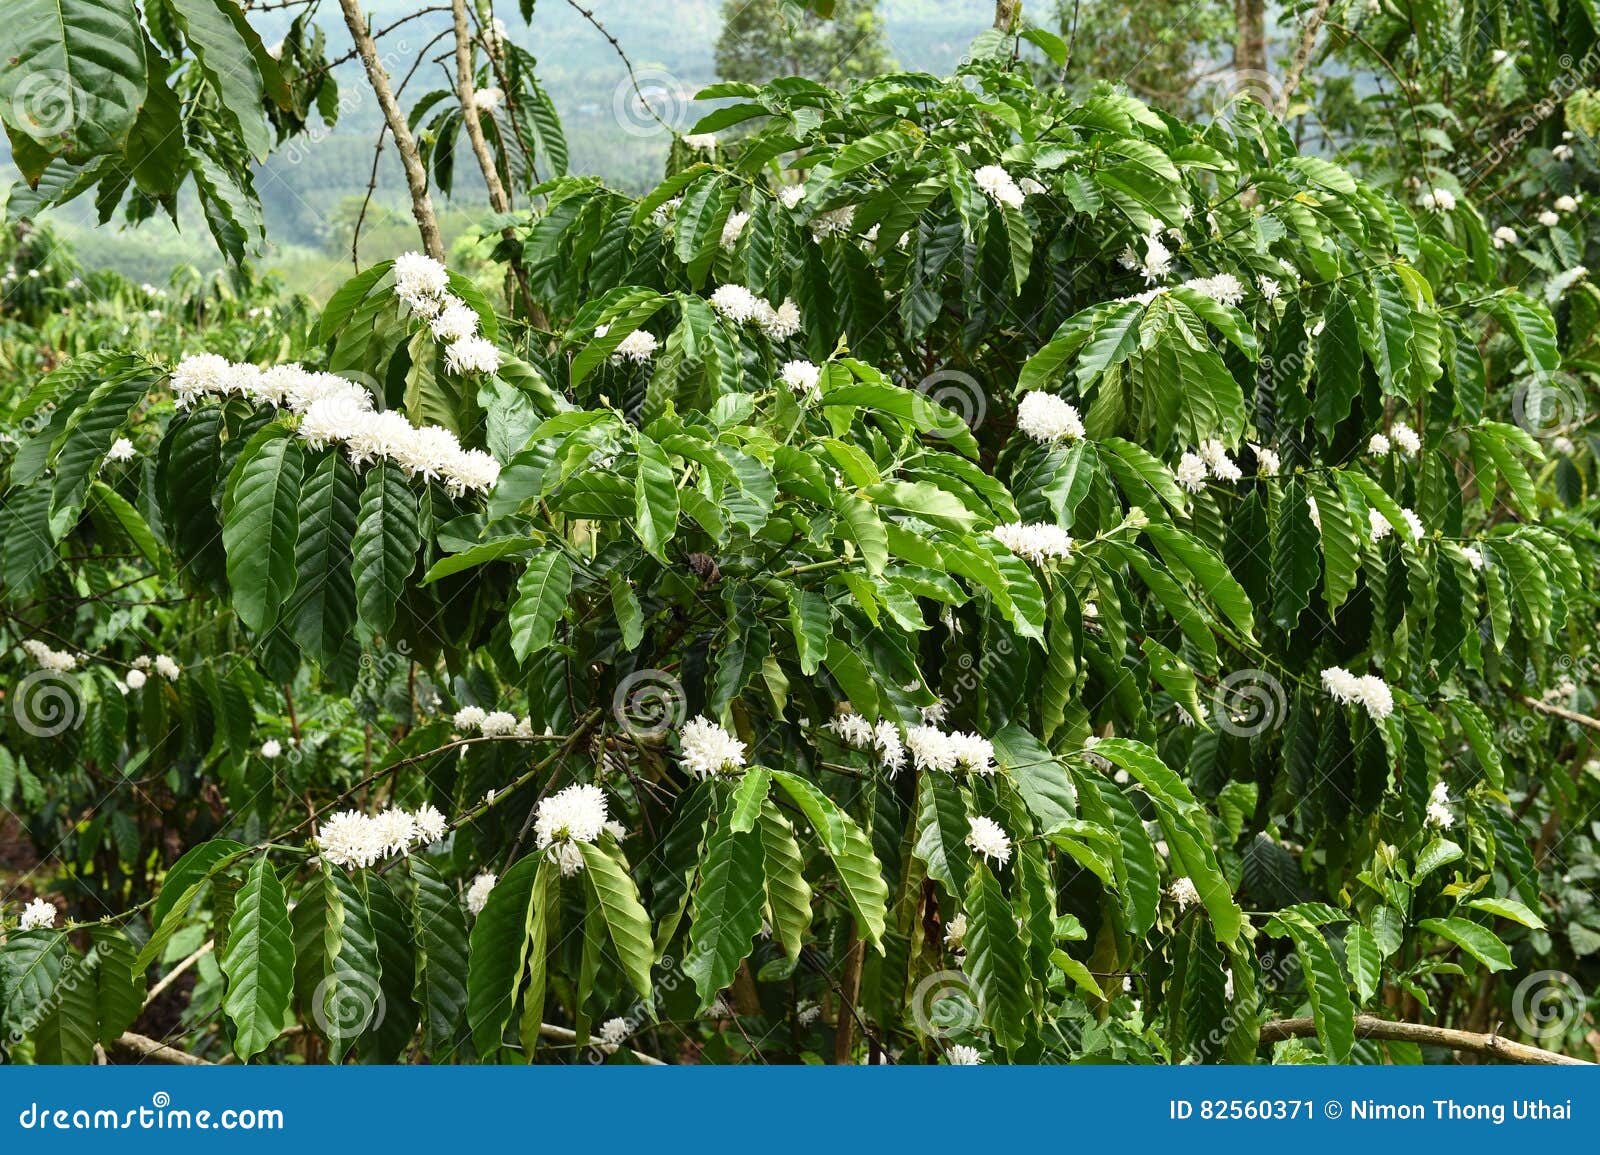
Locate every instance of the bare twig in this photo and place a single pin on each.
(171, 976)
(147, 1048)
(1372, 1027)
(1302, 54)
(1561, 712)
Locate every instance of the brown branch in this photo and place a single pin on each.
(469, 112)
(148, 1048)
(849, 992)
(1372, 1027)
(1561, 712)
(416, 175)
(1302, 55)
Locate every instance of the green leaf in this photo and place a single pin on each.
(261, 522)
(859, 524)
(441, 937)
(499, 953)
(850, 850)
(655, 498)
(995, 960)
(1509, 908)
(625, 918)
(1362, 960)
(788, 893)
(84, 56)
(541, 597)
(259, 962)
(1478, 941)
(351, 991)
(1045, 785)
(384, 549)
(119, 983)
(230, 66)
(1330, 998)
(725, 915)
(322, 610)
(942, 832)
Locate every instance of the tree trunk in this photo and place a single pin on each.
(1250, 37)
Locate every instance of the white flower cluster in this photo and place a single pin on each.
(354, 839)
(801, 377)
(1191, 472)
(568, 817)
(162, 665)
(709, 750)
(1439, 200)
(1267, 460)
(1439, 808)
(1474, 557)
(1048, 419)
(121, 450)
(638, 346)
(424, 285)
(933, 749)
(334, 410)
(487, 99)
(1503, 236)
(1157, 261)
(478, 892)
(1369, 690)
(791, 195)
(1380, 526)
(733, 228)
(491, 723)
(1218, 463)
(58, 661)
(271, 748)
(832, 223)
(1270, 289)
(1183, 892)
(961, 1055)
(1224, 288)
(1566, 204)
(1038, 542)
(739, 305)
(40, 914)
(883, 739)
(997, 183)
(703, 141)
(612, 1034)
(986, 837)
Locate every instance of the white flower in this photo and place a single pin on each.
(1504, 235)
(1565, 204)
(638, 346)
(1439, 809)
(617, 831)
(40, 914)
(198, 375)
(487, 99)
(709, 750)
(1415, 524)
(704, 141)
(781, 323)
(45, 658)
(430, 825)
(135, 679)
(1405, 438)
(851, 729)
(469, 718)
(121, 450)
(985, 837)
(271, 748)
(955, 932)
(1038, 542)
(791, 195)
(1562, 152)
(997, 183)
(961, 1055)
(1474, 557)
(1341, 684)
(472, 355)
(455, 321)
(1030, 187)
(733, 227)
(478, 892)
(1267, 460)
(664, 212)
(1157, 260)
(1377, 445)
(934, 713)
(1269, 288)
(392, 831)
(417, 277)
(1376, 697)
(1378, 524)
(1563, 446)
(1183, 892)
(1191, 473)
(931, 749)
(1498, 56)
(575, 814)
(735, 302)
(1439, 200)
(801, 377)
(567, 857)
(1224, 288)
(167, 668)
(972, 753)
(891, 752)
(832, 223)
(349, 839)
(612, 1034)
(498, 724)
(1047, 419)
(1549, 219)
(807, 1012)
(1218, 463)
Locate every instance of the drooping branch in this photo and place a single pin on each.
(1561, 712)
(1372, 1027)
(410, 158)
(1302, 54)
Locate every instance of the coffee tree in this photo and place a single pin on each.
(955, 573)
